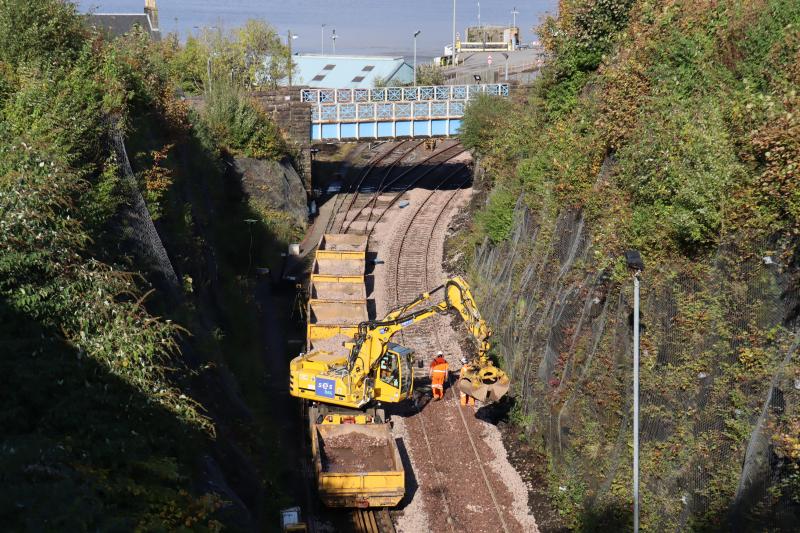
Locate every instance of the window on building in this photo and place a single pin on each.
(358, 79)
(329, 67)
(318, 77)
(368, 68)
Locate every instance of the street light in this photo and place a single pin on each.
(289, 38)
(322, 40)
(453, 58)
(635, 264)
(415, 56)
(514, 14)
(333, 38)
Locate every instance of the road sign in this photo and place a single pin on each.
(489, 60)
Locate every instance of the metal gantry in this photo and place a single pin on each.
(392, 112)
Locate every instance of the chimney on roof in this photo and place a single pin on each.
(151, 11)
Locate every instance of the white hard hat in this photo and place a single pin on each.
(439, 353)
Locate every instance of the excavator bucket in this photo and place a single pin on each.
(486, 384)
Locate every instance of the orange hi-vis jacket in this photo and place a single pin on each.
(439, 370)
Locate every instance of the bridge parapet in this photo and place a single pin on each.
(391, 112)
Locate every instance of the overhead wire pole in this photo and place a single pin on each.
(322, 40)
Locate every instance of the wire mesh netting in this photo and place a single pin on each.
(719, 374)
(139, 233)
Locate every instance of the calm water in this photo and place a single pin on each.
(362, 26)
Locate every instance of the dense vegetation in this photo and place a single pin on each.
(672, 127)
(105, 404)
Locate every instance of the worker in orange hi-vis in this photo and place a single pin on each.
(466, 399)
(438, 374)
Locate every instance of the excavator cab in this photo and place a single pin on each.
(394, 378)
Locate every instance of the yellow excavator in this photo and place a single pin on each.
(370, 368)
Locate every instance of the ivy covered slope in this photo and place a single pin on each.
(672, 127)
(102, 425)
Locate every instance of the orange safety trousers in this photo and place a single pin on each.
(438, 375)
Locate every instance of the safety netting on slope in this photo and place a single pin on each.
(720, 377)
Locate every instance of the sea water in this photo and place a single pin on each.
(376, 27)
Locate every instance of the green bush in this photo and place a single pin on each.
(235, 122)
(679, 169)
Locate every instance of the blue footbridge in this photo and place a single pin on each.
(392, 112)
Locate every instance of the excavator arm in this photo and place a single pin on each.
(485, 382)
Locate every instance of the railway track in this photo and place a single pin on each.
(412, 259)
(372, 521)
(362, 204)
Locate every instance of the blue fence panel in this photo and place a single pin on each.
(367, 130)
(403, 128)
(347, 112)
(456, 109)
(439, 109)
(426, 93)
(309, 95)
(438, 127)
(402, 110)
(385, 129)
(328, 112)
(459, 92)
(443, 93)
(421, 109)
(349, 130)
(385, 111)
(410, 94)
(330, 131)
(316, 132)
(327, 95)
(394, 94)
(422, 128)
(378, 95)
(455, 126)
(366, 111)
(361, 95)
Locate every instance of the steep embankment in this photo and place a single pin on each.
(671, 127)
(131, 366)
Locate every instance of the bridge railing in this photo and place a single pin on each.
(402, 94)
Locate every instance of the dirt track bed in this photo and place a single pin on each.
(356, 452)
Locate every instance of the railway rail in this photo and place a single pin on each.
(410, 259)
(411, 268)
(372, 521)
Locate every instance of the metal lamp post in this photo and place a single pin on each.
(453, 51)
(333, 38)
(289, 38)
(322, 40)
(415, 56)
(514, 14)
(635, 264)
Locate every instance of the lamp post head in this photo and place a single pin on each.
(634, 260)
(417, 33)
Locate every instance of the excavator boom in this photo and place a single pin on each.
(377, 369)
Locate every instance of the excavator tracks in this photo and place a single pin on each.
(372, 521)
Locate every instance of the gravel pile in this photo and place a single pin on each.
(356, 452)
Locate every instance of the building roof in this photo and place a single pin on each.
(329, 71)
(117, 24)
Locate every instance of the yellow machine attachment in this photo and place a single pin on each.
(373, 368)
